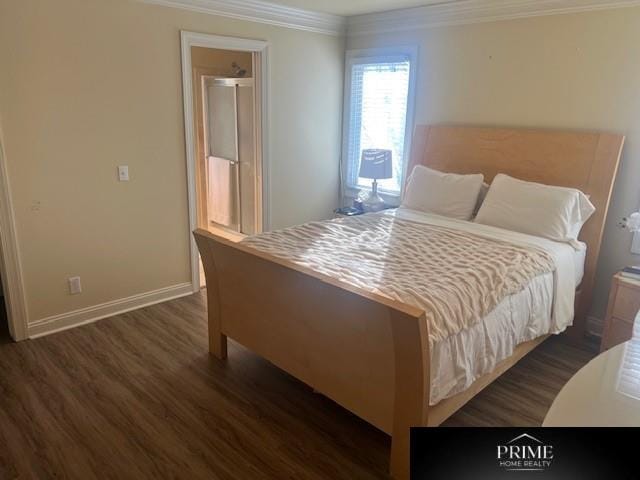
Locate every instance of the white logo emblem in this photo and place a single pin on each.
(525, 453)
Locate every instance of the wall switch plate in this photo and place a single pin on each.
(635, 244)
(123, 173)
(75, 286)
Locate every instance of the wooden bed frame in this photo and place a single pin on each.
(365, 351)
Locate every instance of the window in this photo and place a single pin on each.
(378, 107)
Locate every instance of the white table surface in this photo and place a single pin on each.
(603, 393)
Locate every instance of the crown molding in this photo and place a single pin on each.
(263, 12)
(452, 12)
(472, 11)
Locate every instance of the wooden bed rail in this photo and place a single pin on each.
(367, 352)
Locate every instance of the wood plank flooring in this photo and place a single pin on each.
(137, 396)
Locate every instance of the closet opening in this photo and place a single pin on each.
(13, 324)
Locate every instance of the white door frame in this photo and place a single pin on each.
(193, 39)
(10, 266)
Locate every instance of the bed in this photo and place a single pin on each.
(374, 353)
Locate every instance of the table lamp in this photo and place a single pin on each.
(375, 163)
(632, 222)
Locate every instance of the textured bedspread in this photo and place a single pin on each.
(457, 277)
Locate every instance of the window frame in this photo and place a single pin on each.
(377, 55)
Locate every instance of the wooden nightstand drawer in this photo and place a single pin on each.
(627, 303)
(619, 331)
(624, 305)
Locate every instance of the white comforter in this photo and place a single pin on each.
(455, 277)
(563, 255)
(465, 348)
(544, 306)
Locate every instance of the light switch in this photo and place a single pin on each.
(75, 286)
(123, 173)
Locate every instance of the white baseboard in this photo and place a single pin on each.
(64, 321)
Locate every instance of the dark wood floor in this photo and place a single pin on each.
(138, 396)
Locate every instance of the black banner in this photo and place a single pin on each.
(525, 453)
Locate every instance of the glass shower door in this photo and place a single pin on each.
(230, 163)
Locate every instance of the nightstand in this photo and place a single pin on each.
(346, 212)
(351, 211)
(624, 304)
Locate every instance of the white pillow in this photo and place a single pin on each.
(557, 213)
(447, 194)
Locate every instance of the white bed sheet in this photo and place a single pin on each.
(459, 360)
(579, 256)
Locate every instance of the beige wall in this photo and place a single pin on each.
(577, 71)
(86, 85)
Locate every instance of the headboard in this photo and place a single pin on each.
(584, 160)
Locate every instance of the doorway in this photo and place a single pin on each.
(225, 112)
(13, 311)
(229, 199)
(5, 337)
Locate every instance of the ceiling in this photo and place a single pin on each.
(356, 7)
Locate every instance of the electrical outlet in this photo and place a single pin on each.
(75, 286)
(123, 173)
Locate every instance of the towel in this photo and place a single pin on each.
(219, 192)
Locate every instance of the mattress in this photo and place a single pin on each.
(460, 359)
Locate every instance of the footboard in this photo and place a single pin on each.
(365, 351)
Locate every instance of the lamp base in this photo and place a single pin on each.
(373, 202)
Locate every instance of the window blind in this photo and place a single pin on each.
(377, 117)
